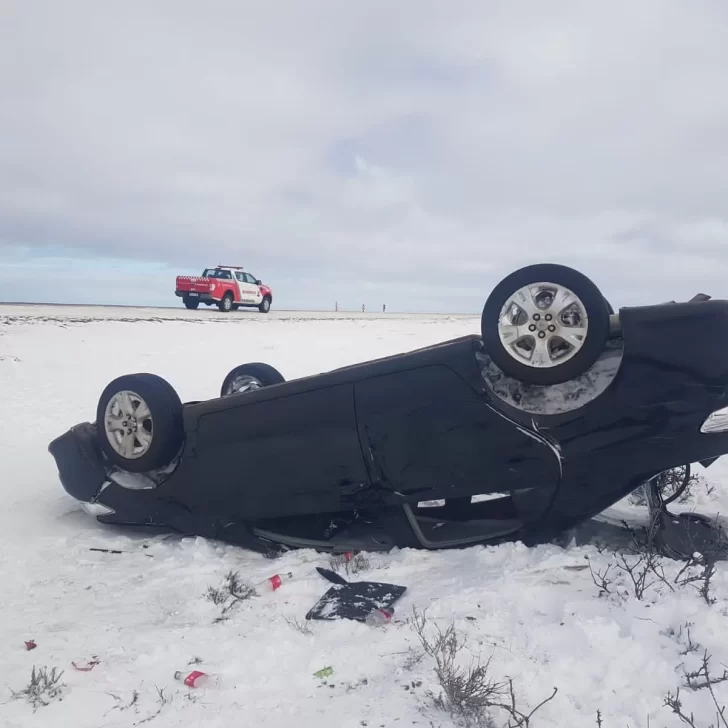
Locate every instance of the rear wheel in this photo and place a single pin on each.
(139, 420)
(545, 324)
(249, 377)
(226, 304)
(191, 302)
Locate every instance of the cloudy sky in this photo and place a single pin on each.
(407, 153)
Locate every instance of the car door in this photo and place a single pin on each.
(241, 285)
(255, 295)
(426, 434)
(266, 454)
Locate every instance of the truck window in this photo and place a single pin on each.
(217, 273)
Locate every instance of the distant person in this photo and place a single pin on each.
(384, 308)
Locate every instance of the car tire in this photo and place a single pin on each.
(160, 430)
(191, 303)
(517, 349)
(256, 374)
(226, 303)
(264, 306)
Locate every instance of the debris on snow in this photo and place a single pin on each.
(86, 665)
(324, 672)
(273, 583)
(353, 600)
(194, 679)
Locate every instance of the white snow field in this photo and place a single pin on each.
(142, 614)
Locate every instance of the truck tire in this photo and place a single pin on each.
(247, 377)
(139, 421)
(226, 304)
(191, 303)
(264, 306)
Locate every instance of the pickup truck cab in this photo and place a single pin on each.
(227, 286)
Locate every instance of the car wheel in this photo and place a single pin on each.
(249, 377)
(226, 304)
(264, 305)
(191, 303)
(545, 324)
(139, 421)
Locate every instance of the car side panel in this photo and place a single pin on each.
(428, 434)
(284, 456)
(673, 375)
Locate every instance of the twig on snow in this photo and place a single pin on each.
(162, 700)
(700, 679)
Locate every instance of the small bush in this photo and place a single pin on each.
(233, 591)
(351, 564)
(669, 482)
(44, 686)
(700, 679)
(470, 694)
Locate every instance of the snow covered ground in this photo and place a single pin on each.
(143, 613)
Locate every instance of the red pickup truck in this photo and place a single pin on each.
(228, 286)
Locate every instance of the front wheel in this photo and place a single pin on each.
(545, 324)
(139, 420)
(248, 377)
(264, 305)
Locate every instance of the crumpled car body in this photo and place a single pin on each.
(434, 448)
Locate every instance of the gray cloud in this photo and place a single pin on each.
(412, 152)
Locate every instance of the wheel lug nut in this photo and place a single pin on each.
(537, 317)
(552, 328)
(541, 334)
(532, 327)
(124, 423)
(549, 317)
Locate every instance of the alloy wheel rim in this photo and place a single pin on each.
(243, 383)
(543, 325)
(128, 425)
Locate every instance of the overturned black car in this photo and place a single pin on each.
(556, 411)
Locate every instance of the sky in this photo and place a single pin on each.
(407, 153)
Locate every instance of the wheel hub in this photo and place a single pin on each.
(543, 325)
(244, 383)
(128, 425)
